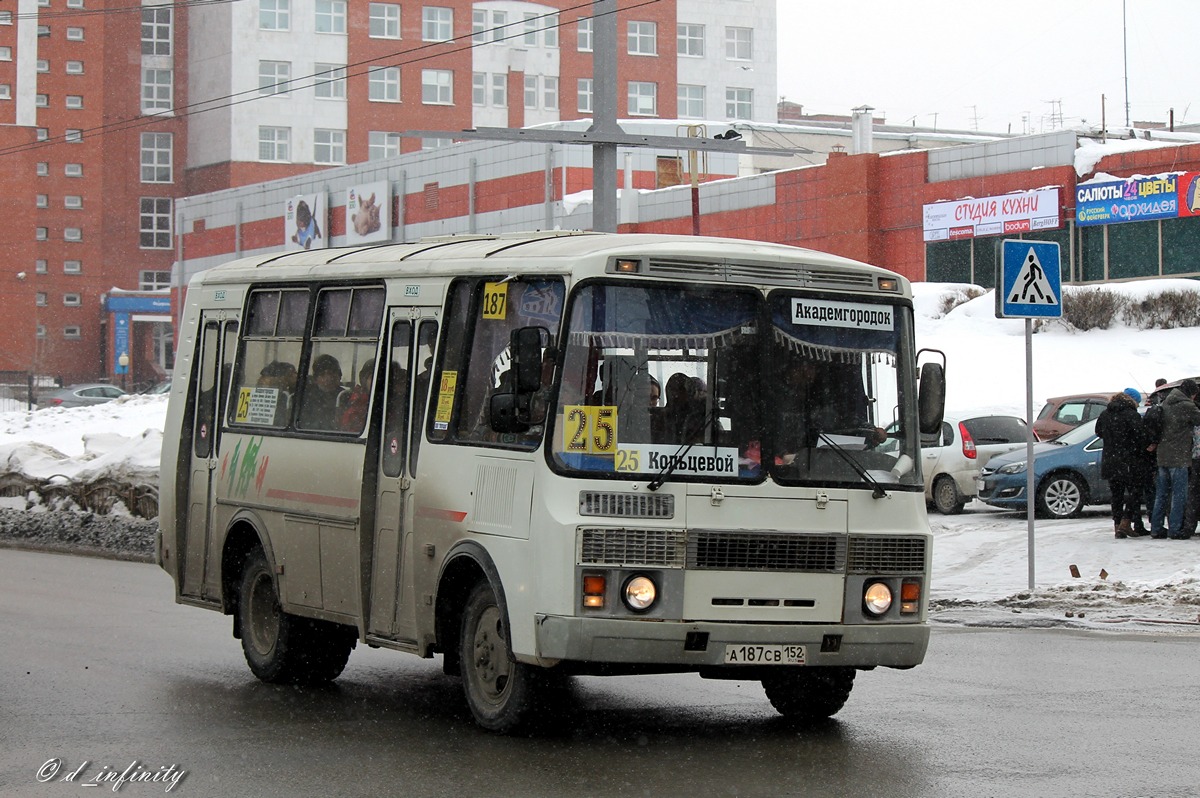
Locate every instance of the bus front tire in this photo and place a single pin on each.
(500, 692)
(281, 648)
(809, 694)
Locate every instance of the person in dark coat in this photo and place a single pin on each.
(1174, 456)
(1123, 464)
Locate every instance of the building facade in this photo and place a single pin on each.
(112, 112)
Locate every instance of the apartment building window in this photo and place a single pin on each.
(42, 133)
(74, 101)
(73, 136)
(643, 38)
(5, 53)
(73, 202)
(532, 23)
(739, 43)
(550, 30)
(550, 93)
(381, 144)
(384, 21)
(643, 98)
(274, 77)
(42, 201)
(43, 169)
(72, 267)
(155, 223)
(74, 34)
(72, 234)
(43, 31)
(73, 169)
(74, 3)
(583, 35)
(691, 40)
(500, 90)
(42, 66)
(479, 26)
(383, 84)
(157, 155)
(274, 14)
(156, 90)
(156, 30)
(41, 101)
(5, 91)
(691, 102)
(437, 24)
(74, 67)
(41, 233)
(41, 331)
(72, 332)
(433, 144)
(5, 17)
(72, 300)
(331, 16)
(437, 87)
(739, 103)
(478, 88)
(583, 95)
(329, 146)
(330, 83)
(531, 91)
(154, 280)
(40, 299)
(499, 21)
(274, 143)
(41, 266)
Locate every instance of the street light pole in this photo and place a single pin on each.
(123, 363)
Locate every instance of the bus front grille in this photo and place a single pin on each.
(766, 551)
(663, 548)
(886, 554)
(626, 505)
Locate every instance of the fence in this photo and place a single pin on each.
(100, 497)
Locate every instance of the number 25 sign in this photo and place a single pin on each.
(589, 429)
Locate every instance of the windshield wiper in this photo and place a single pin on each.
(878, 492)
(680, 453)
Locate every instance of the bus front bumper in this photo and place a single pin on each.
(703, 644)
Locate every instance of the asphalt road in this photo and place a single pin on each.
(103, 676)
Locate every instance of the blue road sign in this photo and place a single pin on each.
(1029, 282)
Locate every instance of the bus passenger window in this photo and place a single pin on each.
(319, 410)
(265, 382)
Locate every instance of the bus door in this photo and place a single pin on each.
(410, 344)
(217, 344)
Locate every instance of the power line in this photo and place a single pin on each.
(230, 100)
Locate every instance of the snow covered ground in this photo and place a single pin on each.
(981, 568)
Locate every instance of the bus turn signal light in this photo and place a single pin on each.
(593, 590)
(910, 597)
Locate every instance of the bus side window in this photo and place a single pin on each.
(395, 408)
(266, 376)
(206, 396)
(422, 366)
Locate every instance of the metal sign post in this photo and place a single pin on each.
(1028, 286)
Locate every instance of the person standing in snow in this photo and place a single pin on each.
(1121, 429)
(1174, 456)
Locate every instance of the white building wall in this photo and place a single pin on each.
(25, 90)
(210, 69)
(515, 53)
(716, 72)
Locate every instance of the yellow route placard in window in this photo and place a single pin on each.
(495, 300)
(589, 429)
(445, 404)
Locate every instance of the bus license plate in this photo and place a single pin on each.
(736, 654)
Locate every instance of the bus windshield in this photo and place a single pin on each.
(719, 384)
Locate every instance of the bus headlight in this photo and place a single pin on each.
(639, 593)
(877, 598)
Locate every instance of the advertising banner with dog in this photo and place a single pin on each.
(306, 222)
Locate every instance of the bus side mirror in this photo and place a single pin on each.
(525, 344)
(509, 412)
(931, 398)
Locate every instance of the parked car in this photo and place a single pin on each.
(951, 459)
(159, 388)
(1159, 394)
(80, 395)
(1066, 475)
(1061, 413)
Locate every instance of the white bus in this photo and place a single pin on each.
(553, 454)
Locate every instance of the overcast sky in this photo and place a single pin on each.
(987, 66)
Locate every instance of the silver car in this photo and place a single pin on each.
(952, 459)
(92, 393)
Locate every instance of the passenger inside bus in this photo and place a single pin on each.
(683, 418)
(318, 409)
(354, 415)
(280, 376)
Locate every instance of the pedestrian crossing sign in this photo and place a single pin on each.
(1028, 280)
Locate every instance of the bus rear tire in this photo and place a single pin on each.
(501, 692)
(281, 648)
(809, 694)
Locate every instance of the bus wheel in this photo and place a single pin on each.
(281, 648)
(809, 694)
(500, 691)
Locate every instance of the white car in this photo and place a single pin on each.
(952, 460)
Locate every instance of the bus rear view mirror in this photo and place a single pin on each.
(931, 396)
(525, 343)
(509, 412)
